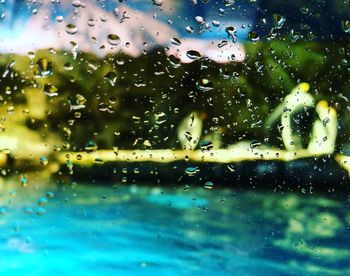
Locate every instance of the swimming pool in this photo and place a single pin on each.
(141, 230)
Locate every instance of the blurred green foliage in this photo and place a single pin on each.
(125, 114)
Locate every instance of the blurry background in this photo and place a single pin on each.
(123, 72)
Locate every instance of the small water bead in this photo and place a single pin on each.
(31, 55)
(3, 211)
(8, 90)
(78, 102)
(189, 29)
(68, 66)
(206, 146)
(10, 109)
(345, 25)
(28, 210)
(50, 90)
(187, 188)
(13, 193)
(209, 185)
(175, 41)
(42, 201)
(59, 18)
(174, 61)
(91, 22)
(188, 135)
(99, 161)
(43, 160)
(204, 85)
(90, 146)
(24, 181)
(50, 194)
(191, 171)
(216, 23)
(71, 29)
(113, 39)
(111, 77)
(254, 144)
(40, 211)
(200, 19)
(158, 2)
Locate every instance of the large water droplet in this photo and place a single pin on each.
(278, 21)
(253, 36)
(44, 67)
(193, 54)
(113, 39)
(111, 77)
(71, 29)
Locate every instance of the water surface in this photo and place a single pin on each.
(142, 230)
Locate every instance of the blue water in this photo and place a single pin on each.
(140, 230)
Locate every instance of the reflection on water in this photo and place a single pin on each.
(130, 230)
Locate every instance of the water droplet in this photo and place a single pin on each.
(174, 61)
(50, 90)
(28, 210)
(71, 29)
(44, 67)
(209, 185)
(158, 2)
(78, 102)
(40, 211)
(191, 171)
(205, 85)
(345, 25)
(68, 66)
(175, 41)
(189, 29)
(206, 146)
(43, 160)
(113, 39)
(91, 22)
(253, 36)
(278, 21)
(231, 32)
(188, 135)
(200, 19)
(24, 181)
(254, 144)
(59, 18)
(50, 195)
(111, 77)
(193, 54)
(216, 23)
(3, 211)
(42, 201)
(90, 147)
